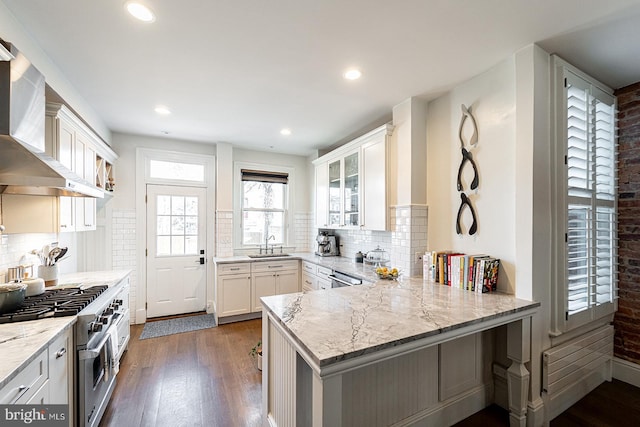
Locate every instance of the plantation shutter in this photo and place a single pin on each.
(591, 237)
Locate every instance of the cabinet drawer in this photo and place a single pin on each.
(240, 267)
(324, 272)
(309, 282)
(274, 265)
(28, 381)
(324, 283)
(309, 267)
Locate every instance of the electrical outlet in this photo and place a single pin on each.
(418, 257)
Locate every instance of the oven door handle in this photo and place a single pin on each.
(94, 352)
(340, 281)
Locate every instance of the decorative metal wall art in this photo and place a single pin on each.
(467, 157)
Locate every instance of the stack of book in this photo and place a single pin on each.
(476, 273)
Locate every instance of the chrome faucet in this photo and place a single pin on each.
(266, 244)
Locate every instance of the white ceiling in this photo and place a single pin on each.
(239, 71)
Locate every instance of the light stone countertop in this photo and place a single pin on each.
(339, 324)
(21, 342)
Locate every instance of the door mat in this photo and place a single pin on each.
(179, 325)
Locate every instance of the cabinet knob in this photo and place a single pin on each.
(61, 353)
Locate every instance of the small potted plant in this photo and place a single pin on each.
(256, 353)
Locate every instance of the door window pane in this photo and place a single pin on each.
(177, 233)
(177, 205)
(191, 205)
(163, 204)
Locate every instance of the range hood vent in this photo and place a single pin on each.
(24, 167)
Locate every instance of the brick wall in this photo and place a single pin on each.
(627, 319)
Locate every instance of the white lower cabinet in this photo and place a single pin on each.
(47, 379)
(239, 286)
(315, 276)
(234, 294)
(309, 282)
(60, 370)
(28, 381)
(263, 285)
(273, 278)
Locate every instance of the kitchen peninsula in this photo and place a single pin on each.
(380, 354)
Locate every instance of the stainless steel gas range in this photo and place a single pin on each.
(101, 336)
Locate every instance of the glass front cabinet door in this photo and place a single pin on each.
(351, 185)
(335, 191)
(344, 197)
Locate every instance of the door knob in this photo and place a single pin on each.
(201, 260)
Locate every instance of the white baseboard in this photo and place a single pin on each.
(626, 371)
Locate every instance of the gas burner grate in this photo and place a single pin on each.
(53, 303)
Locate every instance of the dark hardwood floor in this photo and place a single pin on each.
(200, 378)
(612, 404)
(207, 378)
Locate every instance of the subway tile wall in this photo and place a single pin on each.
(302, 229)
(14, 246)
(123, 251)
(224, 233)
(407, 237)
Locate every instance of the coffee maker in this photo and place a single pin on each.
(327, 244)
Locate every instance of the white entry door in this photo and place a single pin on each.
(176, 242)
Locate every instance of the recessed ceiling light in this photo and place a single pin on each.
(161, 109)
(140, 11)
(285, 131)
(352, 74)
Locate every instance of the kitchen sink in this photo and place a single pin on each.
(267, 255)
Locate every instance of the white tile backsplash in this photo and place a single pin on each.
(408, 237)
(224, 233)
(14, 246)
(124, 249)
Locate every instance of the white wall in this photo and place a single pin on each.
(491, 97)
(13, 31)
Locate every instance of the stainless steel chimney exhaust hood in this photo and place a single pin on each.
(24, 167)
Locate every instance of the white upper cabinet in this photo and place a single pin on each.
(351, 183)
(374, 190)
(322, 195)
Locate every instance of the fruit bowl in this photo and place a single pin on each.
(387, 273)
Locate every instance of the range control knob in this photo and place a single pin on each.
(107, 312)
(118, 301)
(103, 319)
(95, 327)
(115, 306)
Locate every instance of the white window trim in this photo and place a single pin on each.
(560, 322)
(237, 202)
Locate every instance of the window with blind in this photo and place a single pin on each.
(587, 134)
(264, 206)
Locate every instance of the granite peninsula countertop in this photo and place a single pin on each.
(21, 342)
(339, 324)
